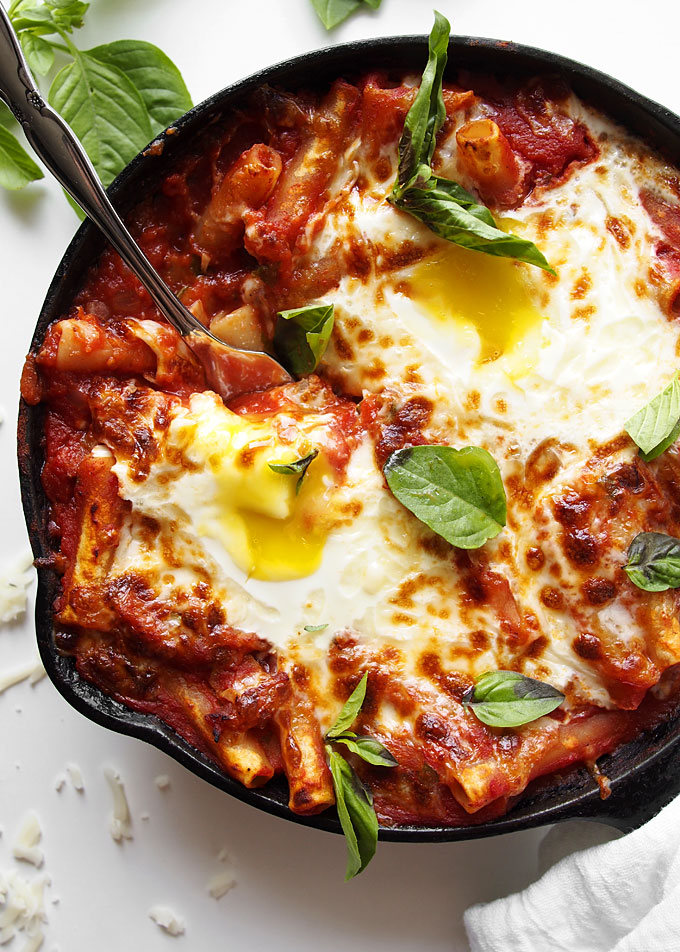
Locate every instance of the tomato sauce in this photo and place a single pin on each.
(223, 242)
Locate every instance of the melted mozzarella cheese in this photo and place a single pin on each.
(508, 356)
(216, 471)
(365, 560)
(559, 349)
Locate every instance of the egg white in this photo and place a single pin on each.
(598, 349)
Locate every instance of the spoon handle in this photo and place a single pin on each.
(57, 146)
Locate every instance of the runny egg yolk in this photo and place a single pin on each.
(270, 530)
(476, 290)
(280, 549)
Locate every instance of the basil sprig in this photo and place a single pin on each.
(510, 699)
(301, 336)
(654, 561)
(444, 206)
(115, 97)
(459, 494)
(354, 801)
(657, 425)
(297, 468)
(333, 12)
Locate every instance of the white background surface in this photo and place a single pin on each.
(290, 893)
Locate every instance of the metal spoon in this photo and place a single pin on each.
(228, 370)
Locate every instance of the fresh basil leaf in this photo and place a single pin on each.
(316, 627)
(663, 445)
(652, 428)
(459, 494)
(510, 699)
(654, 561)
(356, 814)
(333, 12)
(53, 16)
(38, 52)
(6, 118)
(352, 706)
(39, 19)
(445, 207)
(17, 168)
(462, 197)
(68, 14)
(368, 748)
(301, 336)
(154, 76)
(297, 468)
(426, 115)
(104, 110)
(374, 4)
(467, 224)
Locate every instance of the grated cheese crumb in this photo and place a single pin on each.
(120, 821)
(221, 883)
(14, 582)
(162, 781)
(22, 909)
(166, 919)
(9, 678)
(59, 782)
(222, 855)
(76, 777)
(38, 673)
(26, 846)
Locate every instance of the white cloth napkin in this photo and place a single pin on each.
(622, 896)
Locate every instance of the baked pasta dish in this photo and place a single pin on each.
(441, 559)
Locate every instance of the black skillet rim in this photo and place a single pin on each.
(643, 772)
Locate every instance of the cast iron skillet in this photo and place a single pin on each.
(645, 773)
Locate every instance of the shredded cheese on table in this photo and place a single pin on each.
(76, 777)
(167, 920)
(33, 671)
(220, 884)
(26, 846)
(15, 580)
(22, 909)
(120, 821)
